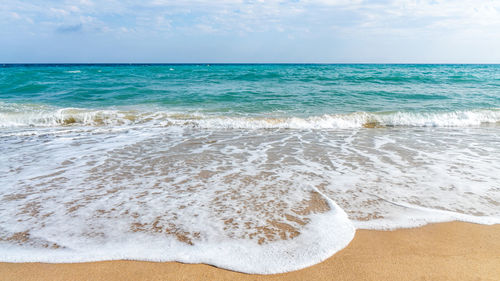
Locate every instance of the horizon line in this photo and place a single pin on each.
(244, 63)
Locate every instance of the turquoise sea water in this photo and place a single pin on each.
(254, 168)
(256, 90)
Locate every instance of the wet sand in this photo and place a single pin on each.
(446, 251)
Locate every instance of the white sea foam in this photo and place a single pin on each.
(324, 235)
(262, 200)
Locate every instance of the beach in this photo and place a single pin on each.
(445, 251)
(249, 140)
(256, 169)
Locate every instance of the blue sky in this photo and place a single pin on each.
(399, 31)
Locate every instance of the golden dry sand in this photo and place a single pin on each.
(447, 251)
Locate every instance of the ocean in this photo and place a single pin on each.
(258, 168)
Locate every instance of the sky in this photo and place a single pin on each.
(246, 31)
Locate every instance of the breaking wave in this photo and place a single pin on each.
(38, 116)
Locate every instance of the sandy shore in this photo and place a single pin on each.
(447, 251)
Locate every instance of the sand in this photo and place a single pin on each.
(446, 251)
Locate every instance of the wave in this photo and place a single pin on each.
(38, 116)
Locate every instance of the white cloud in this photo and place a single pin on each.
(255, 16)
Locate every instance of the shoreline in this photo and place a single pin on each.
(442, 251)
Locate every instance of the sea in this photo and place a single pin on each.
(257, 168)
